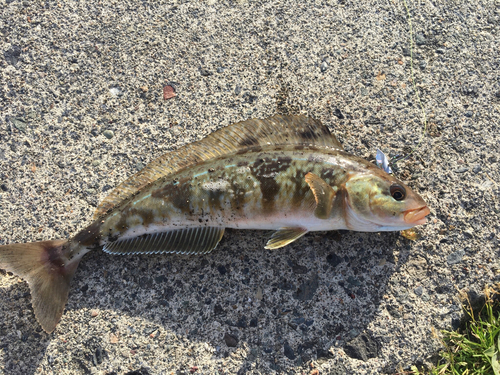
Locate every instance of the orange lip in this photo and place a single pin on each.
(417, 216)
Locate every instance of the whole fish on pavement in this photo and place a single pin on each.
(284, 173)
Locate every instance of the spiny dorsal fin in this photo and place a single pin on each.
(200, 240)
(274, 131)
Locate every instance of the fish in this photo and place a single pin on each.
(285, 173)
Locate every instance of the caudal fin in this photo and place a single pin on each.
(48, 272)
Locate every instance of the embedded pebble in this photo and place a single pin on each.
(108, 134)
(455, 257)
(115, 91)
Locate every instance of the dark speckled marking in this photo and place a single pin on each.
(251, 149)
(261, 170)
(89, 236)
(54, 256)
(308, 134)
(177, 193)
(249, 140)
(146, 215)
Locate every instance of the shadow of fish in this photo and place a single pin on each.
(284, 173)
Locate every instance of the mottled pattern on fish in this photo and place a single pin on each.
(233, 191)
(284, 173)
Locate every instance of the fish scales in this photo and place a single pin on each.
(234, 191)
(284, 173)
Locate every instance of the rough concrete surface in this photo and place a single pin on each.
(82, 108)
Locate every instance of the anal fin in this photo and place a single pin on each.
(284, 236)
(196, 240)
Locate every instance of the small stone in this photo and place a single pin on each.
(461, 170)
(205, 73)
(334, 259)
(222, 270)
(338, 114)
(108, 134)
(323, 66)
(477, 168)
(237, 90)
(419, 290)
(300, 270)
(113, 339)
(97, 357)
(422, 64)
(19, 123)
(441, 51)
(362, 347)
(220, 69)
(305, 291)
(394, 311)
(230, 340)
(353, 281)
(289, 353)
(259, 294)
(115, 91)
(3, 187)
(94, 313)
(420, 39)
(242, 323)
(455, 257)
(468, 234)
(168, 92)
(468, 114)
(299, 320)
(12, 55)
(470, 90)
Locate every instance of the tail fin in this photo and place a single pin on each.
(48, 272)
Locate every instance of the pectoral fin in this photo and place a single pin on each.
(284, 236)
(323, 193)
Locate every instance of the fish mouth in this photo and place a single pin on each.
(417, 216)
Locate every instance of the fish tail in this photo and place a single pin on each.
(48, 272)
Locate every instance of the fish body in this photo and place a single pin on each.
(285, 173)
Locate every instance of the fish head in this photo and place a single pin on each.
(377, 201)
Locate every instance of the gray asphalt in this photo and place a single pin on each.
(82, 108)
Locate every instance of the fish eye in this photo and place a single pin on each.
(398, 192)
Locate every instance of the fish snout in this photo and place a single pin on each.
(417, 216)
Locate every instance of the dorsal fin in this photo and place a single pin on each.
(278, 130)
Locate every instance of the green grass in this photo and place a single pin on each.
(474, 348)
